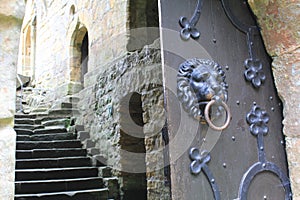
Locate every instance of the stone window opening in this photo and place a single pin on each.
(72, 10)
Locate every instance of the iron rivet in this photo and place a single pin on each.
(271, 98)
(265, 197)
(214, 40)
(264, 165)
(233, 138)
(238, 102)
(254, 103)
(261, 148)
(213, 181)
(227, 67)
(224, 165)
(290, 195)
(282, 142)
(273, 109)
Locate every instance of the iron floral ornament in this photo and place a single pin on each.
(258, 120)
(188, 26)
(199, 164)
(198, 160)
(188, 29)
(254, 72)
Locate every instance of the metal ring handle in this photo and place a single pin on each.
(206, 115)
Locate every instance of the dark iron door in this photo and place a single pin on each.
(216, 71)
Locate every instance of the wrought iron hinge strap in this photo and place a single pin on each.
(257, 119)
(234, 20)
(253, 72)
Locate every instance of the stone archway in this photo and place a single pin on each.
(84, 49)
(27, 50)
(79, 51)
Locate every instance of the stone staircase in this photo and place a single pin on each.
(51, 163)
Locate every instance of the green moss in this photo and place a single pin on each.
(8, 20)
(7, 122)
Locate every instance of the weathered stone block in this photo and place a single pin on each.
(83, 135)
(293, 152)
(7, 160)
(286, 69)
(279, 22)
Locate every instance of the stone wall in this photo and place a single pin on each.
(11, 13)
(280, 27)
(105, 114)
(57, 23)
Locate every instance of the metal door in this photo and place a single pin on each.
(209, 160)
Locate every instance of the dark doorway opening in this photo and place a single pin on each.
(132, 141)
(84, 56)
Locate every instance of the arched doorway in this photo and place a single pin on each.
(84, 56)
(79, 52)
(26, 52)
(132, 143)
(29, 49)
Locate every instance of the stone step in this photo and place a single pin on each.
(53, 162)
(49, 153)
(25, 116)
(41, 131)
(105, 172)
(25, 121)
(22, 131)
(66, 111)
(47, 137)
(49, 130)
(71, 99)
(30, 116)
(96, 194)
(56, 122)
(27, 145)
(55, 173)
(50, 118)
(60, 185)
(28, 126)
(68, 105)
(112, 183)
(39, 109)
(63, 105)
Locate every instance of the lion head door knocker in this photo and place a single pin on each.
(202, 90)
